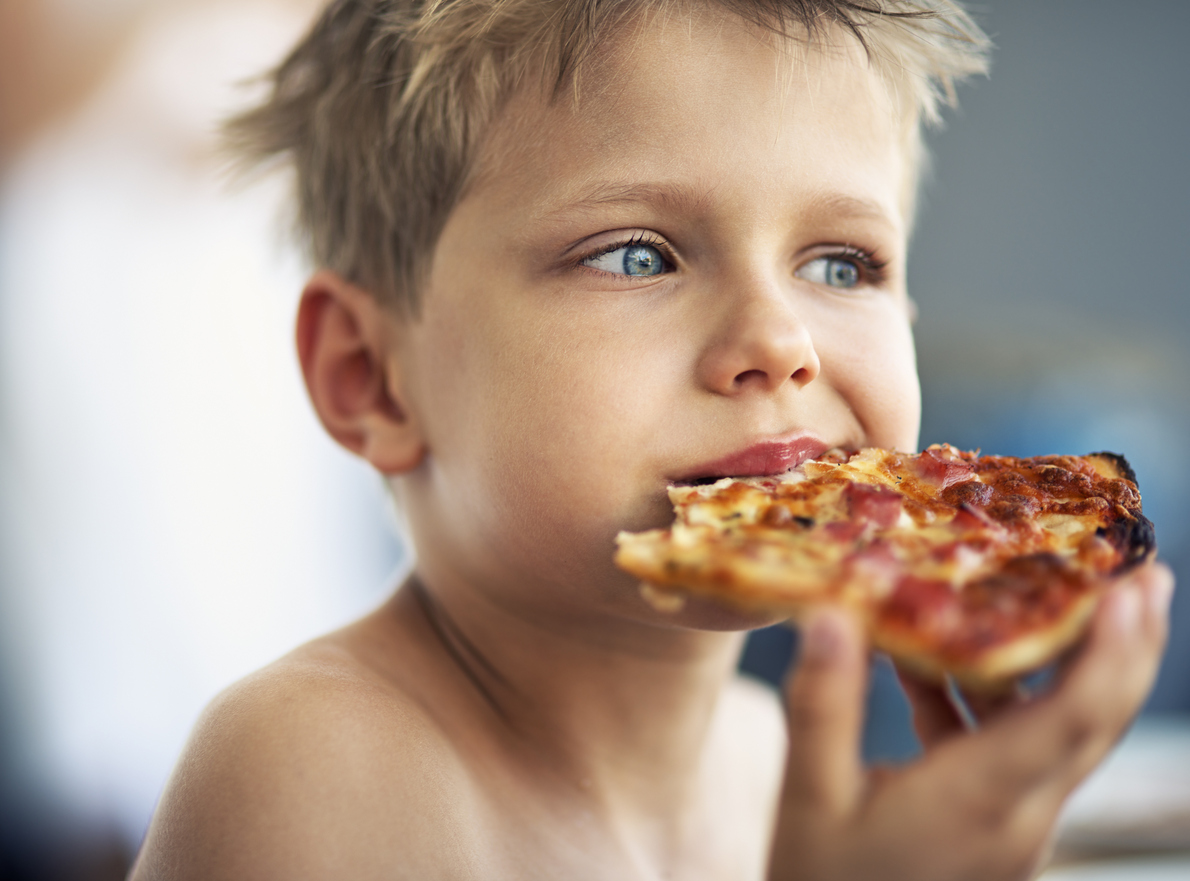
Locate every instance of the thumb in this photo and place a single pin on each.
(825, 699)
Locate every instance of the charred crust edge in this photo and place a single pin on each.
(1121, 464)
(1136, 539)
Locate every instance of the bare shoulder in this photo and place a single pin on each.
(752, 733)
(754, 722)
(744, 771)
(754, 710)
(315, 767)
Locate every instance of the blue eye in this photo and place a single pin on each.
(637, 259)
(842, 274)
(833, 272)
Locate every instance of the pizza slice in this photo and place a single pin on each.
(983, 568)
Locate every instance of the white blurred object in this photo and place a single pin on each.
(172, 517)
(1160, 868)
(1139, 799)
(1137, 803)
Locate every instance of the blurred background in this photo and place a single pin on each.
(172, 517)
(171, 514)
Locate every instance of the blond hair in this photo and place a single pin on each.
(382, 106)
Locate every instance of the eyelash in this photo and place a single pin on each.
(640, 238)
(872, 267)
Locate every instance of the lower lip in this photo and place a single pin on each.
(764, 459)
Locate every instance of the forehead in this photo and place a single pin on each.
(680, 110)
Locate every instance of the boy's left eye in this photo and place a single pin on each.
(835, 272)
(635, 259)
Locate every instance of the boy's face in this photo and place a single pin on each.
(699, 270)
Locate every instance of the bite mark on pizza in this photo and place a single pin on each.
(983, 568)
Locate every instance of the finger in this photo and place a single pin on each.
(825, 697)
(1103, 685)
(1054, 741)
(934, 717)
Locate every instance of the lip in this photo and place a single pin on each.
(764, 459)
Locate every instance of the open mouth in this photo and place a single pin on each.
(709, 479)
(695, 482)
(769, 458)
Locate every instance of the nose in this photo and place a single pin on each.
(761, 343)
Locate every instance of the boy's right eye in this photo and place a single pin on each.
(638, 259)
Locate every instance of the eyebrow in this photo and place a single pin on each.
(611, 193)
(684, 197)
(849, 206)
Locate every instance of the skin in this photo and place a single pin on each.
(517, 710)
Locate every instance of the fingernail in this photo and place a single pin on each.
(1126, 611)
(824, 641)
(1159, 596)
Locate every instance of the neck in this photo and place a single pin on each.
(622, 710)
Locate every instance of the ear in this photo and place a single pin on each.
(347, 346)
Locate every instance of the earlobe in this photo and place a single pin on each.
(346, 344)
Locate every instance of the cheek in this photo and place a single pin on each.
(874, 366)
(545, 425)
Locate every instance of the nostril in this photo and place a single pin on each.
(801, 376)
(750, 375)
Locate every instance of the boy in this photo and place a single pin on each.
(575, 251)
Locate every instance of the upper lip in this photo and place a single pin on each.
(762, 459)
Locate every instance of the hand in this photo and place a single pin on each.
(978, 805)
